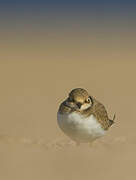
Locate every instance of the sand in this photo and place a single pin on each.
(34, 83)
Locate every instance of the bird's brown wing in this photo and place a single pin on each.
(101, 114)
(64, 109)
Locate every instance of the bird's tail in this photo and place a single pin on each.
(111, 121)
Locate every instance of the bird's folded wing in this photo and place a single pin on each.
(101, 115)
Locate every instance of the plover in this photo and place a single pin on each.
(82, 117)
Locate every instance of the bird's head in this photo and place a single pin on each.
(79, 99)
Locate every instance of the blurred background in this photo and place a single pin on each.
(48, 48)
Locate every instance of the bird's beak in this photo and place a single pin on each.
(79, 105)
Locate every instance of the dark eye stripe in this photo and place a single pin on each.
(71, 100)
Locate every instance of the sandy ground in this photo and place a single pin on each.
(31, 144)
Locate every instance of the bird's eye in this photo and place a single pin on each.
(88, 100)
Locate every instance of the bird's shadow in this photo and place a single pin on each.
(61, 143)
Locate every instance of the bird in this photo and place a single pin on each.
(82, 118)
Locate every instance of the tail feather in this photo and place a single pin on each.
(112, 121)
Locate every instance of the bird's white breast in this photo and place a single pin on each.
(80, 128)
